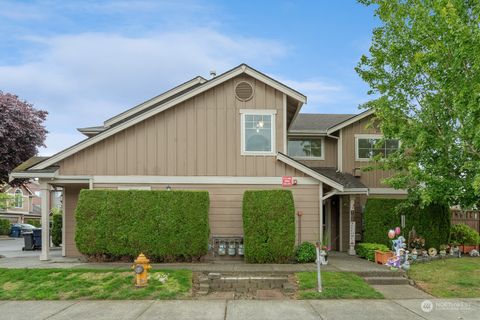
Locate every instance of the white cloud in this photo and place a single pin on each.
(86, 78)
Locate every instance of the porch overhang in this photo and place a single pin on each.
(343, 183)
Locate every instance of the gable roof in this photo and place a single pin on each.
(343, 182)
(315, 122)
(148, 112)
(350, 121)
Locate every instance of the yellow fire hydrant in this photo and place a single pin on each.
(141, 267)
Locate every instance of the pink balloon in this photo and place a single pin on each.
(397, 231)
(391, 234)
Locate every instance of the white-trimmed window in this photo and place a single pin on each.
(306, 148)
(368, 146)
(18, 198)
(258, 132)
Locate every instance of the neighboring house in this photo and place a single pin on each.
(238, 131)
(24, 203)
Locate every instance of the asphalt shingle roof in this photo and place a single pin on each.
(317, 122)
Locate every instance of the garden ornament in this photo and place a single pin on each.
(394, 262)
(474, 253)
(323, 257)
(414, 254)
(397, 231)
(456, 252)
(391, 234)
(432, 252)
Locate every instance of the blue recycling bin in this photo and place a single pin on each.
(37, 238)
(15, 231)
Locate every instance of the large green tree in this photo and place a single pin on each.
(423, 69)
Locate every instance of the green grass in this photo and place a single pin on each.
(62, 284)
(335, 285)
(449, 278)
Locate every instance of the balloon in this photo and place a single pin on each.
(391, 234)
(397, 231)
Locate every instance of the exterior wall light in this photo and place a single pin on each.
(168, 188)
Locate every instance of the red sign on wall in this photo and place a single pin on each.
(287, 181)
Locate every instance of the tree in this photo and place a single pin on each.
(21, 132)
(423, 69)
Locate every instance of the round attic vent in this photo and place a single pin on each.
(244, 91)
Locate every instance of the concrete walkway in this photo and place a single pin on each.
(243, 309)
(14, 257)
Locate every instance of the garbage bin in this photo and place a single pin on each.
(28, 241)
(37, 238)
(15, 231)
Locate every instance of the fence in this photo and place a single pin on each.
(469, 217)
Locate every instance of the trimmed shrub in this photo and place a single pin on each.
(4, 227)
(34, 222)
(164, 225)
(463, 234)
(367, 250)
(431, 222)
(57, 229)
(268, 226)
(305, 252)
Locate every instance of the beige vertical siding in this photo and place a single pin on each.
(71, 193)
(371, 179)
(199, 137)
(331, 155)
(226, 206)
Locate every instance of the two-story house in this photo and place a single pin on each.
(23, 203)
(238, 131)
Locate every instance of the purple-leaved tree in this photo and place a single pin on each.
(21, 132)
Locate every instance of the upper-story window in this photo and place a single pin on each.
(258, 132)
(306, 148)
(18, 198)
(368, 146)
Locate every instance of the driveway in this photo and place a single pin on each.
(12, 248)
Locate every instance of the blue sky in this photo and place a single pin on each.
(85, 61)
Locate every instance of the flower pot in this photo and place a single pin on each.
(467, 248)
(382, 257)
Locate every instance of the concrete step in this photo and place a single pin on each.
(215, 282)
(386, 280)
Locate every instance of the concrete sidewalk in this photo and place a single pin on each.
(243, 309)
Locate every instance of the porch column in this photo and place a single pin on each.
(320, 203)
(45, 196)
(351, 248)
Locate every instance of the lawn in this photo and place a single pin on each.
(89, 284)
(449, 278)
(335, 285)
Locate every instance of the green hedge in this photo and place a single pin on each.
(268, 226)
(165, 225)
(367, 250)
(57, 229)
(4, 227)
(305, 252)
(463, 234)
(431, 222)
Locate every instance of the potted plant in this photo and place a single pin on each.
(465, 236)
(382, 255)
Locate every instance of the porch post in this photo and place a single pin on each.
(320, 200)
(351, 249)
(45, 197)
(63, 223)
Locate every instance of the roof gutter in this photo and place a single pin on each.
(31, 175)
